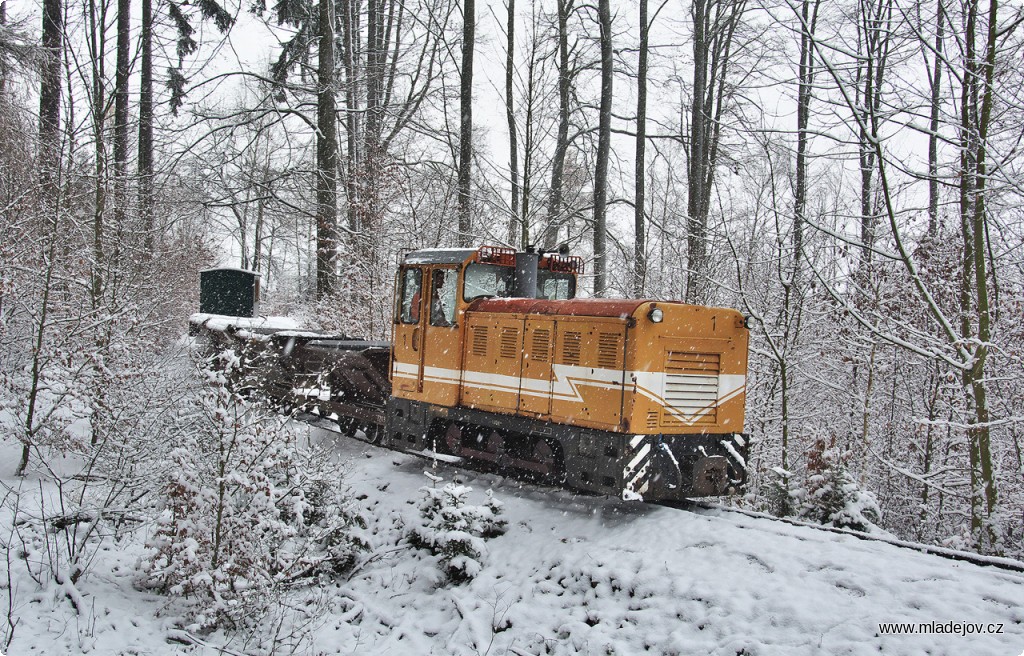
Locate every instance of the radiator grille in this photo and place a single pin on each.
(509, 342)
(571, 348)
(691, 387)
(608, 350)
(479, 340)
(540, 345)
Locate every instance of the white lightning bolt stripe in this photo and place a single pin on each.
(567, 379)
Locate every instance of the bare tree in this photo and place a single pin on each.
(326, 157)
(145, 163)
(935, 82)
(808, 23)
(121, 112)
(604, 141)
(50, 93)
(510, 116)
(714, 26)
(466, 123)
(874, 30)
(566, 76)
(640, 162)
(977, 97)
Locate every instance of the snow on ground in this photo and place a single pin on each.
(573, 574)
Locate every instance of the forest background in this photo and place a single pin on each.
(846, 173)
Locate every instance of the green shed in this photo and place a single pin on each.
(231, 292)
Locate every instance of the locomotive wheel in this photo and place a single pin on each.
(549, 457)
(496, 445)
(347, 426)
(374, 432)
(453, 439)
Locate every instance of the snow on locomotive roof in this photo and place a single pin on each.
(439, 255)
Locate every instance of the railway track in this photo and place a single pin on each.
(704, 507)
(1008, 564)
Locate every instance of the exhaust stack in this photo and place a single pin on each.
(524, 284)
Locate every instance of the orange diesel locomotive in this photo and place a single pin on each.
(493, 358)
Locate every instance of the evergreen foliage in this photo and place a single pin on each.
(248, 508)
(832, 495)
(455, 531)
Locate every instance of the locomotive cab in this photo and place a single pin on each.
(434, 289)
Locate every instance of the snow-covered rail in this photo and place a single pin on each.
(944, 552)
(1007, 564)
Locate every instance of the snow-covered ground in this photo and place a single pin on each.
(573, 574)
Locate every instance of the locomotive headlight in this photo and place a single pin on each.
(656, 315)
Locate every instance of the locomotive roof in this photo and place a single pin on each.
(587, 307)
(439, 255)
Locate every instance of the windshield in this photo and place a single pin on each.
(487, 280)
(493, 280)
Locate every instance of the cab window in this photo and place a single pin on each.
(412, 286)
(487, 280)
(556, 286)
(443, 296)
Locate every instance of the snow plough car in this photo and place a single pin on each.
(494, 359)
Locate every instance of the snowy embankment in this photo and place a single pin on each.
(571, 575)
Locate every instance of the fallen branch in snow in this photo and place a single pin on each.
(183, 637)
(61, 522)
(372, 559)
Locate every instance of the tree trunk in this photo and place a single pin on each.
(809, 19)
(326, 157)
(696, 233)
(874, 20)
(465, 236)
(3, 21)
(146, 128)
(555, 199)
(714, 26)
(976, 112)
(49, 96)
(604, 140)
(933, 134)
(353, 164)
(979, 432)
(98, 102)
(510, 116)
(371, 152)
(640, 170)
(121, 113)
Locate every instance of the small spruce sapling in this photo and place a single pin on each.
(455, 531)
(833, 496)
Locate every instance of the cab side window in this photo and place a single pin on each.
(412, 286)
(443, 293)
